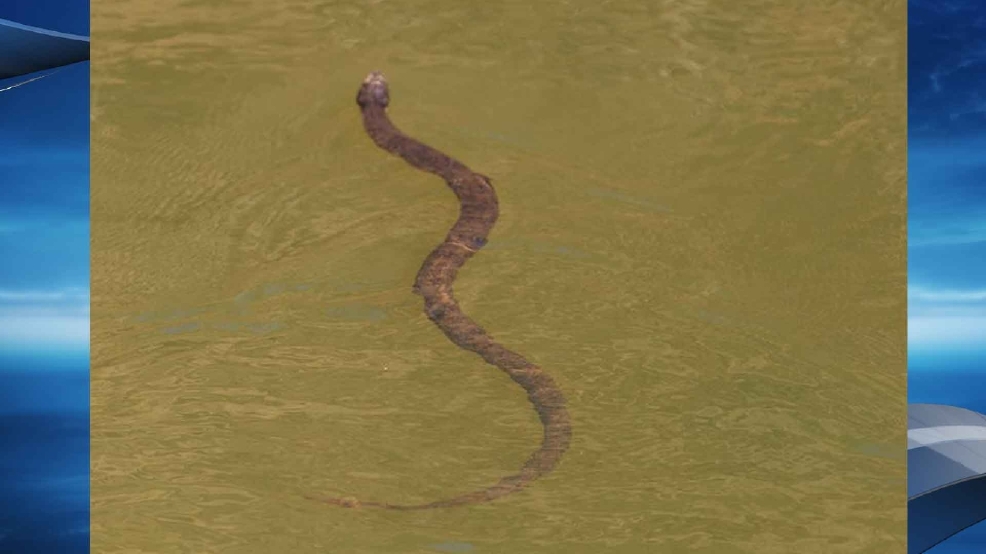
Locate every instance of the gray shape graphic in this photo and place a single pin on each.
(25, 49)
(946, 473)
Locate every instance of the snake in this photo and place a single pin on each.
(478, 212)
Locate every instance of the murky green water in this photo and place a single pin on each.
(702, 239)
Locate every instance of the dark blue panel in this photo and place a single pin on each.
(25, 49)
(937, 515)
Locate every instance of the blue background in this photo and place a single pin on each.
(44, 297)
(947, 213)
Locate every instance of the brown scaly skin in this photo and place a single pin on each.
(478, 210)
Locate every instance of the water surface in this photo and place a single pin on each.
(702, 239)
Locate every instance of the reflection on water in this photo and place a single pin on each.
(702, 239)
(453, 547)
(627, 199)
(229, 316)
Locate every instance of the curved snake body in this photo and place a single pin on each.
(478, 211)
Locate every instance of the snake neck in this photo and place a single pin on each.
(387, 136)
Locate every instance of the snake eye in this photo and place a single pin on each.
(478, 242)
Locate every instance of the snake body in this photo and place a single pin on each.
(478, 211)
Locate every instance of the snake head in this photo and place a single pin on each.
(374, 91)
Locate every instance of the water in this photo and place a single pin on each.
(701, 238)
